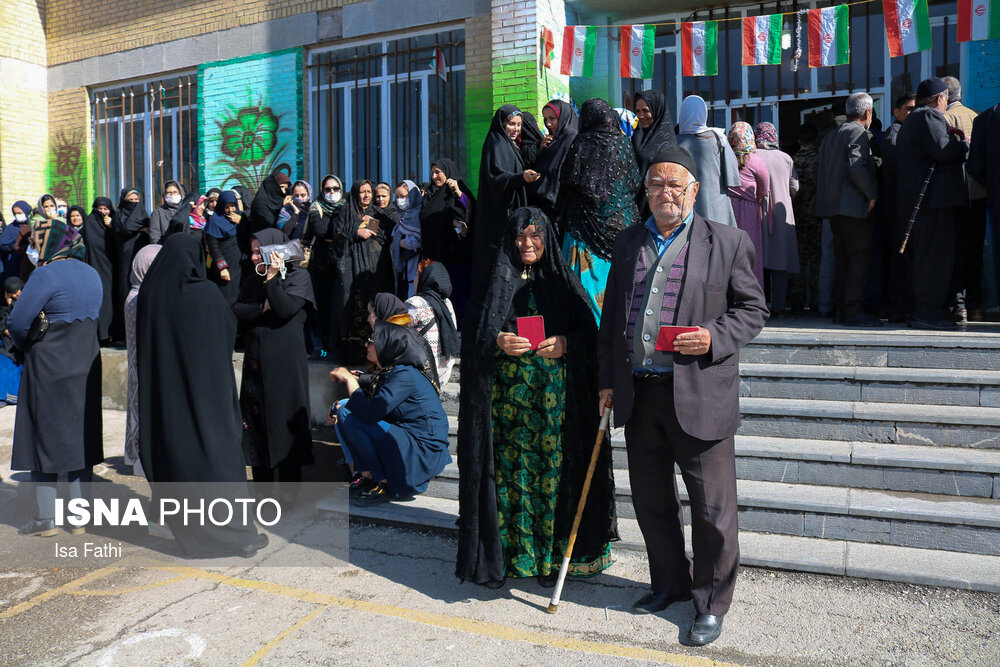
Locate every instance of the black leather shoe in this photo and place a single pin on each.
(251, 550)
(39, 527)
(548, 580)
(494, 584)
(652, 602)
(705, 630)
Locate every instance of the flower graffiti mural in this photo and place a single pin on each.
(249, 142)
(67, 175)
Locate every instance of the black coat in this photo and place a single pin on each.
(986, 143)
(100, 242)
(924, 140)
(130, 224)
(845, 174)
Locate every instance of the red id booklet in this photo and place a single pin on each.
(532, 328)
(665, 341)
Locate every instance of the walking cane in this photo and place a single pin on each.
(916, 208)
(557, 593)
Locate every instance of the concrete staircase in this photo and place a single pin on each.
(871, 454)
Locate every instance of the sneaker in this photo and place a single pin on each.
(376, 495)
(39, 527)
(360, 484)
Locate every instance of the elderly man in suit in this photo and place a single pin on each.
(846, 188)
(681, 407)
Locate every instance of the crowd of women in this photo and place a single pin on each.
(379, 274)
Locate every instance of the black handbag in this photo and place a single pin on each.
(38, 328)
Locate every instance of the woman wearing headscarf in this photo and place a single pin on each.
(393, 426)
(268, 201)
(57, 427)
(781, 247)
(654, 133)
(46, 209)
(749, 197)
(527, 421)
(359, 240)
(502, 177)
(159, 219)
(433, 316)
(131, 230)
(224, 236)
(11, 361)
(319, 236)
(406, 238)
(293, 219)
(530, 139)
(445, 218)
(99, 238)
(15, 239)
(189, 218)
(75, 216)
(597, 197)
(189, 413)
(563, 127)
(714, 158)
(274, 395)
(140, 266)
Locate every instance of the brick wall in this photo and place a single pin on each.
(250, 118)
(70, 173)
(23, 103)
(79, 29)
(478, 93)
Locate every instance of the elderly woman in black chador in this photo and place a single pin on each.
(527, 420)
(274, 399)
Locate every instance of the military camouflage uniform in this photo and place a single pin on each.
(803, 289)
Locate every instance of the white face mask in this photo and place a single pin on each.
(300, 200)
(172, 199)
(332, 197)
(20, 217)
(32, 254)
(403, 203)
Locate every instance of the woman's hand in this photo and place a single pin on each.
(274, 268)
(530, 175)
(341, 374)
(462, 228)
(287, 200)
(546, 140)
(234, 218)
(453, 184)
(364, 233)
(512, 344)
(331, 420)
(552, 348)
(107, 221)
(224, 274)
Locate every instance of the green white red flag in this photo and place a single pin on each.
(699, 48)
(579, 48)
(907, 26)
(762, 40)
(978, 19)
(549, 46)
(637, 44)
(829, 36)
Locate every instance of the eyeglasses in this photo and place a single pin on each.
(675, 191)
(370, 341)
(333, 189)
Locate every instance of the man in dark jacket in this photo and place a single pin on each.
(986, 142)
(925, 140)
(898, 301)
(681, 407)
(846, 188)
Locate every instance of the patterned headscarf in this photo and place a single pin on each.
(741, 138)
(58, 240)
(767, 136)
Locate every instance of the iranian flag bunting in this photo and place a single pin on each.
(579, 42)
(907, 26)
(637, 42)
(549, 41)
(978, 19)
(762, 40)
(829, 39)
(699, 48)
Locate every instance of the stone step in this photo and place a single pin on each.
(871, 384)
(970, 525)
(929, 567)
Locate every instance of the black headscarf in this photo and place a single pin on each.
(78, 209)
(328, 208)
(180, 221)
(397, 345)
(354, 198)
(267, 202)
(434, 286)
(550, 159)
(296, 282)
(593, 151)
(560, 299)
(530, 139)
(98, 237)
(131, 216)
(386, 305)
(659, 135)
(439, 211)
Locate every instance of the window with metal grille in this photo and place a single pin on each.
(144, 135)
(386, 110)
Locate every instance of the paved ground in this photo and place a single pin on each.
(397, 601)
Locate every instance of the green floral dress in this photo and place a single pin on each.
(529, 396)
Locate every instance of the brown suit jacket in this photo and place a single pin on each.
(721, 294)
